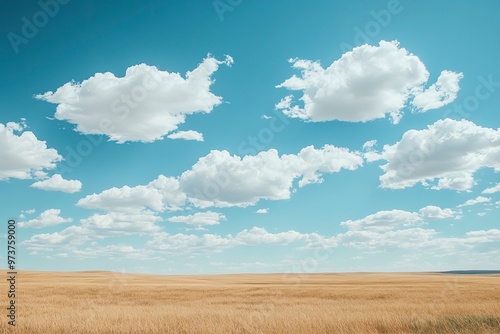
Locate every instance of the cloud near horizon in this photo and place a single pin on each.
(393, 219)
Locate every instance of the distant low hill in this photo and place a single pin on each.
(471, 272)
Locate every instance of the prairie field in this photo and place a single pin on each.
(106, 302)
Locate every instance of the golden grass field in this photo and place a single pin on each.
(104, 302)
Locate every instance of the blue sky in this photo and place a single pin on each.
(235, 136)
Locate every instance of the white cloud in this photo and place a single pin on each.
(70, 237)
(375, 239)
(22, 155)
(124, 199)
(492, 235)
(162, 242)
(222, 180)
(190, 243)
(113, 252)
(96, 227)
(258, 236)
(43, 241)
(443, 92)
(477, 200)
(383, 221)
(187, 135)
(492, 190)
(199, 218)
(364, 84)
(173, 196)
(132, 209)
(435, 212)
(392, 219)
(285, 102)
(262, 210)
(448, 150)
(47, 218)
(379, 239)
(369, 145)
(57, 183)
(40, 174)
(144, 105)
(122, 223)
(159, 195)
(409, 238)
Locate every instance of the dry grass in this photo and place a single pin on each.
(102, 302)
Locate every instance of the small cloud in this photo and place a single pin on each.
(40, 175)
(199, 219)
(477, 200)
(26, 212)
(284, 103)
(262, 210)
(369, 145)
(187, 135)
(266, 117)
(492, 190)
(384, 221)
(435, 212)
(47, 218)
(57, 183)
(443, 92)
